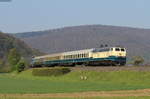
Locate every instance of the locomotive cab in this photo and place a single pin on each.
(118, 52)
(119, 55)
(110, 55)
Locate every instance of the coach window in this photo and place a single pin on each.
(78, 56)
(70, 56)
(81, 55)
(87, 55)
(84, 55)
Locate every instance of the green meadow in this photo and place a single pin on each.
(72, 82)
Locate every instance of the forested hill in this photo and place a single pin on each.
(136, 40)
(8, 42)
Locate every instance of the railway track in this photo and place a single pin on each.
(111, 68)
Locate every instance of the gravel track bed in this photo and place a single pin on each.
(111, 68)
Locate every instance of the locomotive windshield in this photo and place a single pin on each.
(117, 49)
(123, 49)
(120, 49)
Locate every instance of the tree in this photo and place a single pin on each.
(137, 60)
(20, 65)
(1, 62)
(13, 58)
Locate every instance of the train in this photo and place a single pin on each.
(108, 56)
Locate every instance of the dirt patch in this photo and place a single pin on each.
(144, 92)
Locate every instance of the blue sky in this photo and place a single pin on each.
(34, 15)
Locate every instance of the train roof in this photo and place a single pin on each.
(49, 55)
(78, 51)
(65, 53)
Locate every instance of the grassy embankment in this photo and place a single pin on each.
(72, 82)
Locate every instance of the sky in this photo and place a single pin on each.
(34, 15)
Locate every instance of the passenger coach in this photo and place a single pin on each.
(94, 56)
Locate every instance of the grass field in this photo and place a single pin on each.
(72, 82)
(96, 81)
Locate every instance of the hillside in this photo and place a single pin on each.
(90, 36)
(8, 42)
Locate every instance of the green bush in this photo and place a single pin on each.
(20, 66)
(137, 60)
(57, 71)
